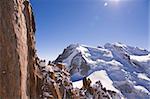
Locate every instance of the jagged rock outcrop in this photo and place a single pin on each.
(55, 81)
(17, 50)
(56, 84)
(96, 91)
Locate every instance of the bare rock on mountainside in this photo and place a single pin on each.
(17, 50)
(56, 84)
(55, 81)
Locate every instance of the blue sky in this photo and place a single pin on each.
(90, 22)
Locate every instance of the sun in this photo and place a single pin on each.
(105, 4)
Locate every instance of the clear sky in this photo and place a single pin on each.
(89, 22)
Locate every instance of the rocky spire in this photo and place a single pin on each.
(17, 50)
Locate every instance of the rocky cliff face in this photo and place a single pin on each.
(17, 50)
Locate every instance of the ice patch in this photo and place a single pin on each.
(144, 58)
(143, 76)
(142, 89)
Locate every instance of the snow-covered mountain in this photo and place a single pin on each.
(120, 68)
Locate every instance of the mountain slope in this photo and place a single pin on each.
(126, 68)
(55, 83)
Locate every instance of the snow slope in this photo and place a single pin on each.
(119, 67)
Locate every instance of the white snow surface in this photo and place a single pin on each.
(142, 89)
(144, 58)
(78, 84)
(121, 68)
(105, 80)
(143, 76)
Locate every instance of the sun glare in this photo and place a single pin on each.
(112, 2)
(115, 0)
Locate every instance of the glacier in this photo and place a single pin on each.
(121, 68)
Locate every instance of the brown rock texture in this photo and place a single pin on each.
(17, 50)
(55, 81)
(56, 84)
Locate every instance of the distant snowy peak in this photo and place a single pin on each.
(125, 67)
(126, 49)
(106, 53)
(84, 59)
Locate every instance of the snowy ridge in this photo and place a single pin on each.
(125, 67)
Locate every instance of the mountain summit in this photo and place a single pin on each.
(120, 68)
